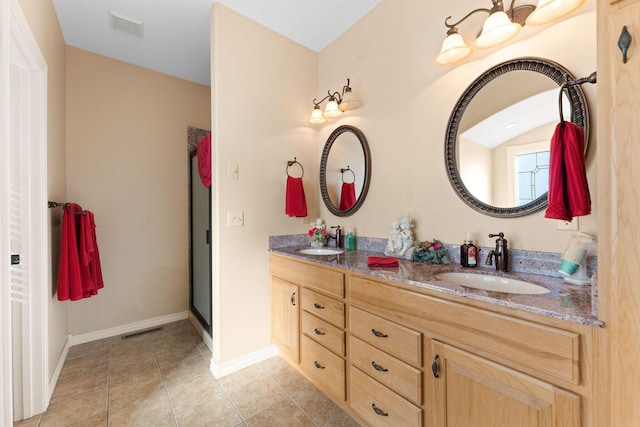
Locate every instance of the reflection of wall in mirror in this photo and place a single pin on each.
(345, 151)
(475, 169)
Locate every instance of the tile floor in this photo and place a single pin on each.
(163, 379)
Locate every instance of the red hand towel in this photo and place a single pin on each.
(296, 202)
(568, 187)
(69, 278)
(85, 250)
(96, 268)
(204, 160)
(347, 196)
(377, 261)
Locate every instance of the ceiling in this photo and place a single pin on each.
(175, 33)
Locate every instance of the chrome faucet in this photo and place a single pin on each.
(500, 253)
(338, 236)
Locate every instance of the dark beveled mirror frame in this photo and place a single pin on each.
(323, 170)
(579, 116)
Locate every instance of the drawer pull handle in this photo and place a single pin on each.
(379, 411)
(319, 366)
(293, 298)
(378, 367)
(318, 331)
(318, 306)
(434, 367)
(379, 334)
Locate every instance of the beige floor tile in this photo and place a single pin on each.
(192, 392)
(285, 414)
(145, 410)
(256, 396)
(177, 353)
(242, 377)
(90, 348)
(99, 420)
(142, 384)
(316, 405)
(290, 380)
(71, 385)
(218, 411)
(190, 367)
(121, 370)
(134, 350)
(84, 364)
(342, 420)
(273, 364)
(68, 410)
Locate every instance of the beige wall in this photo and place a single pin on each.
(43, 21)
(389, 56)
(127, 162)
(263, 85)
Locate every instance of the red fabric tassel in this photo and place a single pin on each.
(568, 187)
(347, 196)
(377, 261)
(296, 202)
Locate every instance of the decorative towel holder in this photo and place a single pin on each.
(592, 78)
(65, 205)
(293, 162)
(348, 169)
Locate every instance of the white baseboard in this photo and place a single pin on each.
(56, 373)
(225, 369)
(125, 329)
(206, 338)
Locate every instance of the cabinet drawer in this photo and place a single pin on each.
(324, 333)
(404, 343)
(395, 374)
(378, 405)
(320, 278)
(327, 369)
(323, 306)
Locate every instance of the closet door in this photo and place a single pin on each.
(200, 257)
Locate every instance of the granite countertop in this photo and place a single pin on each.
(566, 302)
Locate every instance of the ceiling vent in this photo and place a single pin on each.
(124, 23)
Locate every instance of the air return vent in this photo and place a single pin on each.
(124, 23)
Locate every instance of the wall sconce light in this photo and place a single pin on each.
(339, 102)
(501, 26)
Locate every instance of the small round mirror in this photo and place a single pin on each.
(345, 170)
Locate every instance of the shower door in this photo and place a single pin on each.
(200, 250)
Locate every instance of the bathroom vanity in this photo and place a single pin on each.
(398, 347)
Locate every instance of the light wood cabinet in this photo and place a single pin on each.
(473, 391)
(285, 314)
(369, 344)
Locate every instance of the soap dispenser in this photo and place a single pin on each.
(349, 240)
(468, 253)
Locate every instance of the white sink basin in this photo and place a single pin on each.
(320, 251)
(493, 283)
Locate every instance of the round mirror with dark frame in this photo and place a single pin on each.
(345, 170)
(498, 135)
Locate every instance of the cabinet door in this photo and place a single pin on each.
(472, 391)
(285, 318)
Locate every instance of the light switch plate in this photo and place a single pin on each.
(232, 171)
(235, 219)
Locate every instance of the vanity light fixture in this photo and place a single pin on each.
(501, 26)
(338, 102)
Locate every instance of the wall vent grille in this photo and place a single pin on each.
(126, 24)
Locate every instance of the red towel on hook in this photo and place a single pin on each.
(347, 196)
(204, 160)
(296, 202)
(95, 267)
(85, 252)
(568, 187)
(69, 277)
(378, 261)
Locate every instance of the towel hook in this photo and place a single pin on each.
(592, 78)
(293, 162)
(348, 169)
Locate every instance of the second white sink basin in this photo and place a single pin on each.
(321, 251)
(493, 283)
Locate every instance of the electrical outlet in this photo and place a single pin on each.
(567, 225)
(235, 219)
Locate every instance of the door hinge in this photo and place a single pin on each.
(15, 259)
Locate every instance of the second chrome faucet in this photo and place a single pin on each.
(500, 253)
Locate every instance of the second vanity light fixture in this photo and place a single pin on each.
(339, 102)
(502, 25)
